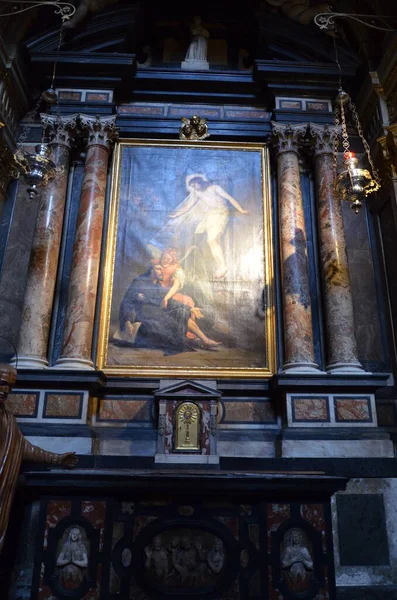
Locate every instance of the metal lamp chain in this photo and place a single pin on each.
(364, 141)
(336, 140)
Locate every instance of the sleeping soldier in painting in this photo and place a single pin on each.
(15, 448)
(152, 323)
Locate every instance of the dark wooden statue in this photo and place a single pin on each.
(15, 448)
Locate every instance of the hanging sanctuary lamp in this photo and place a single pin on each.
(354, 183)
(37, 167)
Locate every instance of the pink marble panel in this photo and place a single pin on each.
(291, 104)
(276, 514)
(97, 97)
(56, 511)
(23, 405)
(246, 114)
(249, 412)
(314, 514)
(124, 410)
(353, 409)
(318, 106)
(63, 405)
(141, 110)
(76, 96)
(95, 512)
(310, 409)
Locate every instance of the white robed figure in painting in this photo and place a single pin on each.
(204, 211)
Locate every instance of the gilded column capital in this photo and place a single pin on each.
(324, 137)
(60, 130)
(101, 131)
(287, 138)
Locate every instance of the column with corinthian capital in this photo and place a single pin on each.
(298, 328)
(341, 346)
(41, 277)
(80, 312)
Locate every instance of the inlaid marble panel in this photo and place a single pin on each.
(353, 409)
(63, 405)
(125, 410)
(23, 404)
(310, 409)
(248, 412)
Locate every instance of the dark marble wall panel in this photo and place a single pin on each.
(364, 289)
(389, 245)
(16, 262)
(362, 530)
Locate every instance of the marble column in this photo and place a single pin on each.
(341, 341)
(43, 264)
(79, 323)
(298, 328)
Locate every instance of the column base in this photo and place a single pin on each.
(302, 367)
(29, 362)
(74, 363)
(346, 368)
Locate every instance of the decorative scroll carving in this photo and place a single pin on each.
(101, 131)
(194, 128)
(72, 559)
(288, 137)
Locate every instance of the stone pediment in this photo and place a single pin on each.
(189, 388)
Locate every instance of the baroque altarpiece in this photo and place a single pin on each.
(192, 309)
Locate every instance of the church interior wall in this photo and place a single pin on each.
(302, 458)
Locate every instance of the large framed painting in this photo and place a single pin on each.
(188, 280)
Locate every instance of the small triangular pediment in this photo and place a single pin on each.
(186, 388)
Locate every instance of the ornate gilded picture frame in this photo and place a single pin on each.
(188, 277)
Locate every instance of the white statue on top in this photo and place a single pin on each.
(196, 55)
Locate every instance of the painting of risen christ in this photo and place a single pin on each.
(189, 270)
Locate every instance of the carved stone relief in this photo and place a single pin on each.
(72, 557)
(296, 560)
(185, 558)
